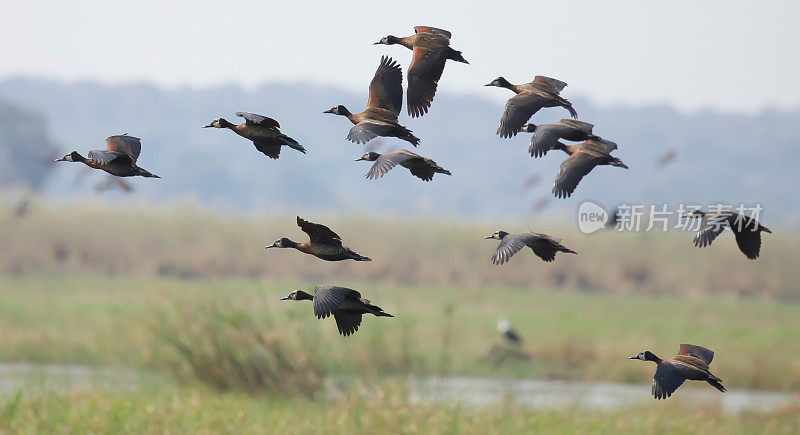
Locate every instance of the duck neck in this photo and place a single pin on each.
(652, 357)
(303, 296)
(289, 244)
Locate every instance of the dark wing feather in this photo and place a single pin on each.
(327, 299)
(518, 110)
(388, 161)
(428, 29)
(365, 131)
(667, 379)
(571, 172)
(271, 149)
(254, 119)
(510, 245)
(545, 137)
(749, 242)
(422, 170)
(104, 157)
(585, 127)
(386, 87)
(555, 86)
(319, 233)
(126, 144)
(423, 77)
(347, 323)
(711, 226)
(700, 352)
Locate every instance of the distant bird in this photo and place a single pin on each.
(583, 157)
(264, 132)
(119, 157)
(666, 159)
(346, 306)
(23, 207)
(544, 246)
(541, 92)
(531, 181)
(431, 49)
(690, 363)
(746, 229)
(383, 107)
(545, 137)
(541, 204)
(421, 167)
(324, 243)
(504, 327)
(113, 183)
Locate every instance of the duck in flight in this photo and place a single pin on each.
(323, 243)
(383, 107)
(544, 246)
(746, 229)
(541, 92)
(691, 363)
(119, 157)
(421, 167)
(430, 50)
(264, 132)
(344, 304)
(545, 137)
(583, 157)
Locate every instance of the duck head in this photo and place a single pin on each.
(370, 157)
(283, 242)
(219, 123)
(497, 235)
(71, 157)
(646, 356)
(388, 40)
(500, 82)
(338, 110)
(528, 128)
(298, 295)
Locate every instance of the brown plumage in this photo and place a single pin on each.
(691, 363)
(545, 137)
(119, 158)
(264, 132)
(383, 107)
(344, 304)
(541, 92)
(746, 230)
(544, 246)
(421, 167)
(431, 49)
(583, 157)
(323, 243)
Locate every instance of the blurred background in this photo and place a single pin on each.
(150, 304)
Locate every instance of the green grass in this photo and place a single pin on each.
(568, 334)
(377, 409)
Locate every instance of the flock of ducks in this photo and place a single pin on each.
(431, 50)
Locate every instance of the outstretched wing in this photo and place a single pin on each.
(555, 85)
(707, 355)
(327, 299)
(423, 77)
(365, 131)
(104, 157)
(518, 111)
(545, 137)
(571, 172)
(428, 29)
(126, 144)
(387, 161)
(667, 379)
(510, 245)
(347, 323)
(318, 233)
(254, 119)
(711, 226)
(386, 87)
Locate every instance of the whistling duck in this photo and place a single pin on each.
(346, 306)
(545, 137)
(504, 327)
(541, 92)
(583, 157)
(264, 132)
(383, 107)
(690, 363)
(421, 167)
(119, 157)
(544, 246)
(324, 243)
(746, 229)
(666, 159)
(431, 49)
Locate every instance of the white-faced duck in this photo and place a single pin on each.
(119, 157)
(583, 157)
(383, 107)
(545, 137)
(691, 363)
(504, 327)
(541, 92)
(346, 305)
(264, 132)
(323, 243)
(746, 229)
(544, 246)
(421, 167)
(430, 50)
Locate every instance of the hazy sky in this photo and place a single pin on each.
(729, 55)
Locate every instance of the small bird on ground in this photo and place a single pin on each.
(119, 157)
(346, 305)
(264, 132)
(691, 363)
(421, 167)
(323, 243)
(544, 246)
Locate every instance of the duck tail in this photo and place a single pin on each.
(147, 174)
(456, 56)
(441, 170)
(360, 257)
(383, 314)
(292, 143)
(406, 135)
(716, 383)
(568, 105)
(765, 229)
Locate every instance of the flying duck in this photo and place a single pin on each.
(545, 137)
(746, 229)
(583, 157)
(323, 243)
(690, 363)
(346, 305)
(544, 246)
(541, 92)
(119, 157)
(421, 167)
(264, 132)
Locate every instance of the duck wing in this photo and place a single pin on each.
(749, 242)
(424, 73)
(260, 120)
(668, 378)
(347, 323)
(319, 233)
(365, 131)
(386, 87)
(387, 161)
(510, 245)
(572, 172)
(126, 144)
(700, 352)
(584, 127)
(104, 157)
(518, 111)
(549, 84)
(270, 148)
(711, 226)
(434, 30)
(327, 299)
(545, 137)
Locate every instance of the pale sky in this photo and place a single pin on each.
(733, 56)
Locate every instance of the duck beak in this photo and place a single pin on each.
(209, 125)
(60, 160)
(488, 84)
(377, 43)
(359, 159)
(328, 111)
(488, 237)
(634, 357)
(285, 298)
(271, 246)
